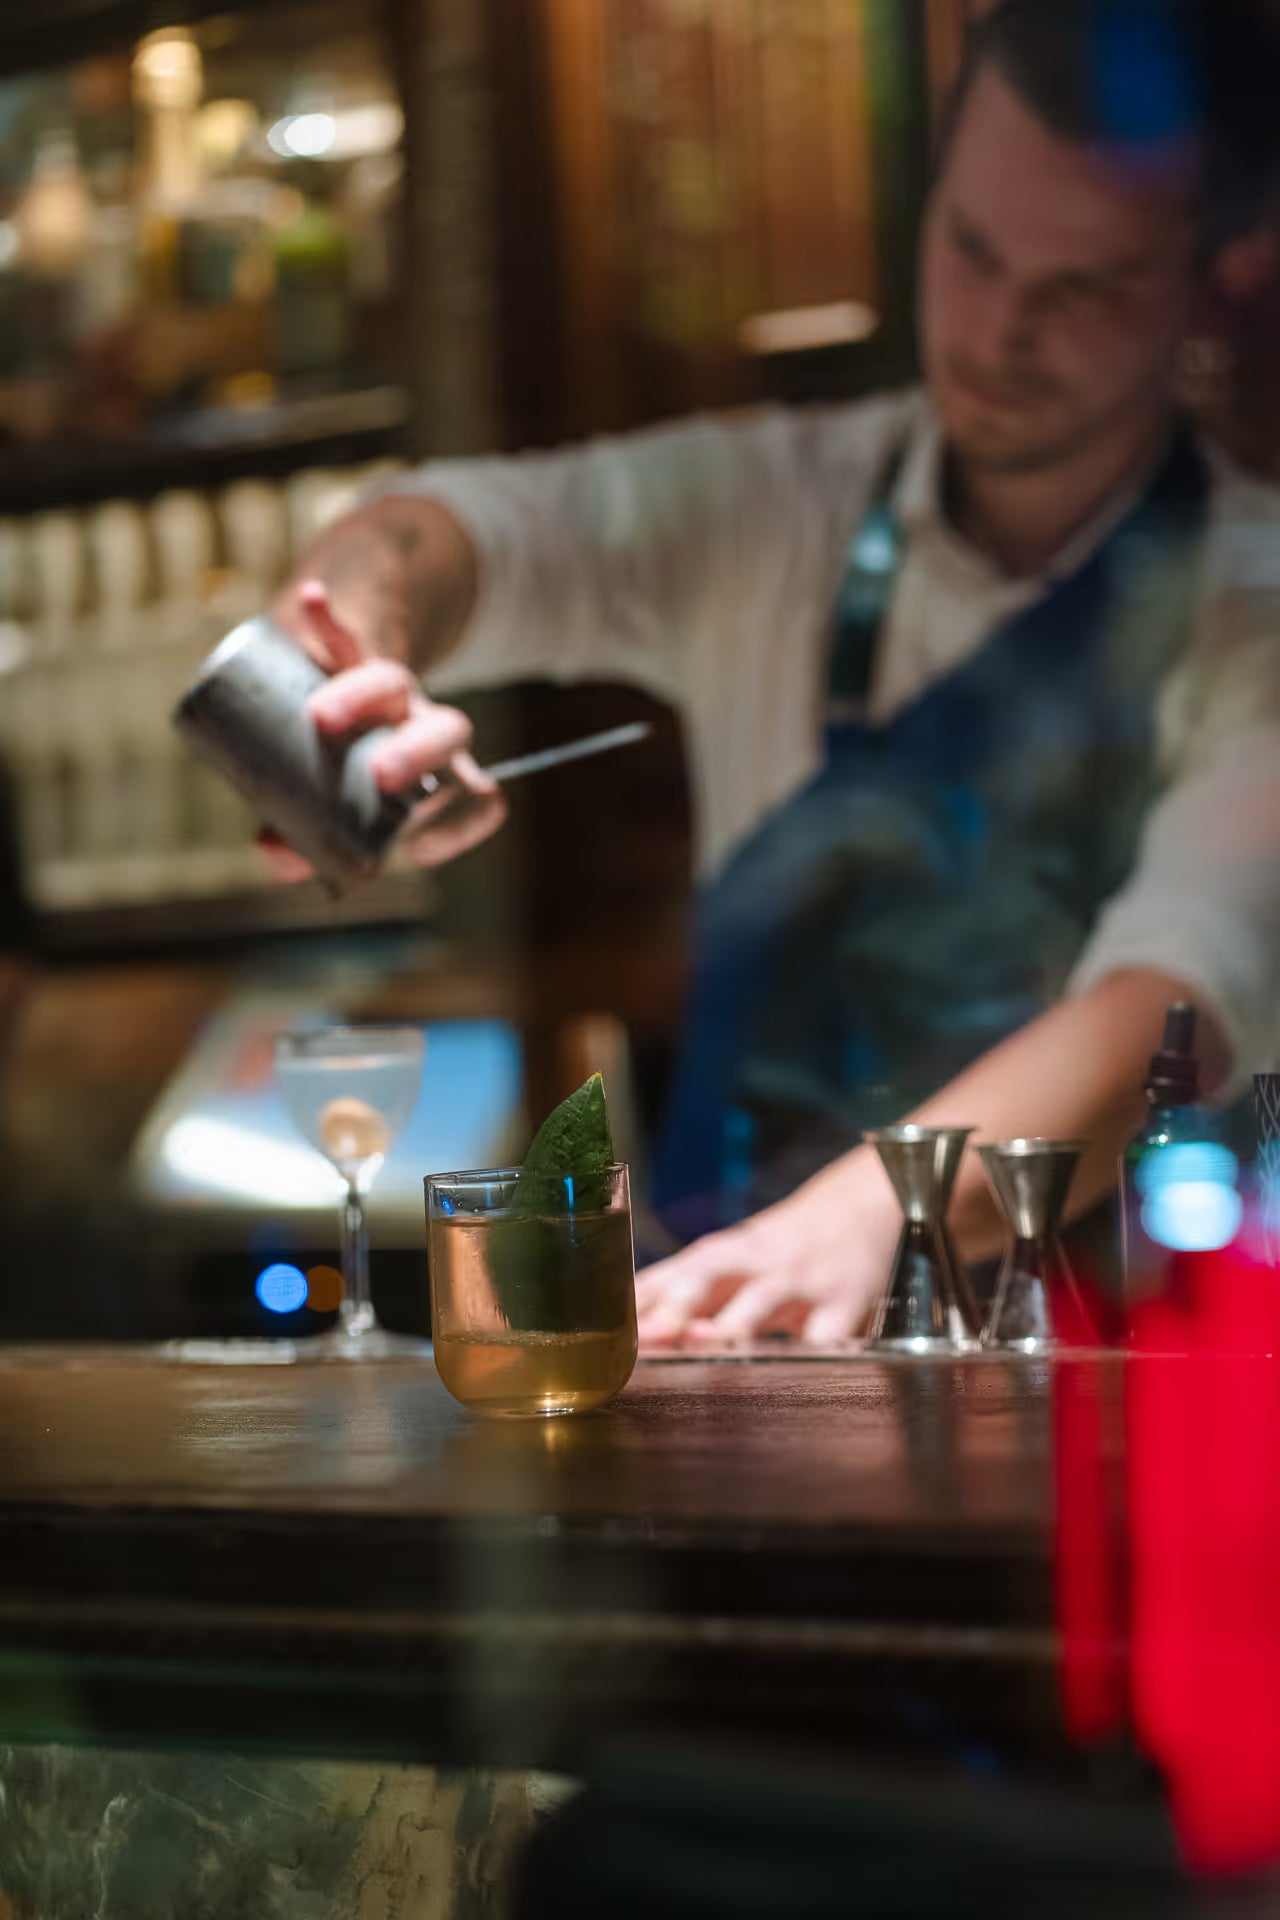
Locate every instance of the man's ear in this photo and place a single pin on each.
(1245, 267)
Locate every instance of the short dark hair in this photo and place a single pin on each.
(1135, 74)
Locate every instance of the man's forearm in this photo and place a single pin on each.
(402, 574)
(1075, 1073)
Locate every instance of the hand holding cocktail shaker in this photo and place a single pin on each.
(247, 716)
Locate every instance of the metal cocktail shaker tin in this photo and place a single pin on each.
(246, 715)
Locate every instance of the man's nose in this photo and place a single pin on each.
(1015, 320)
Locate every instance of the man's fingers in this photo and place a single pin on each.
(375, 690)
(339, 645)
(833, 1325)
(695, 1265)
(751, 1312)
(649, 1290)
(286, 865)
(686, 1297)
(662, 1326)
(473, 819)
(674, 1296)
(430, 739)
(473, 777)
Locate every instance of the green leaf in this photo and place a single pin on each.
(574, 1142)
(545, 1259)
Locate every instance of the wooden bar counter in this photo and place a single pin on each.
(336, 1558)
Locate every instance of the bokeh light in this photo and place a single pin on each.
(324, 1289)
(1191, 1197)
(281, 1288)
(303, 135)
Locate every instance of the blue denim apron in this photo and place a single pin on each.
(929, 891)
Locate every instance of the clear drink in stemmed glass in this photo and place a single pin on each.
(350, 1091)
(533, 1309)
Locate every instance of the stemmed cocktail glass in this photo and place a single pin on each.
(350, 1091)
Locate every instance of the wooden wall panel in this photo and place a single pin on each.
(803, 133)
(583, 140)
(454, 297)
(713, 161)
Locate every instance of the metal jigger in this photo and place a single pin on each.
(927, 1305)
(1031, 1180)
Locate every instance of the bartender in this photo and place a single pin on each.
(980, 683)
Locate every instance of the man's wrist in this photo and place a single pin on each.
(855, 1190)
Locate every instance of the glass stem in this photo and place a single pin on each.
(356, 1314)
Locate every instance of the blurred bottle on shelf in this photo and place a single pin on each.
(60, 566)
(54, 216)
(17, 594)
(313, 319)
(256, 544)
(316, 497)
(188, 577)
(147, 778)
(22, 747)
(123, 574)
(89, 705)
(168, 84)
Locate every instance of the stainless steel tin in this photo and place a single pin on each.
(246, 715)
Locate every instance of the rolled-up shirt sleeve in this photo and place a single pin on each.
(1203, 902)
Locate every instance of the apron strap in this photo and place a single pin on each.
(872, 566)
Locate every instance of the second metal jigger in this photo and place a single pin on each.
(1031, 1180)
(927, 1305)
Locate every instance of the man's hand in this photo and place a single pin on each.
(425, 739)
(812, 1266)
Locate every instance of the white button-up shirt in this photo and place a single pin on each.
(701, 562)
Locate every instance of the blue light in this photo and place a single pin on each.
(1195, 1216)
(1187, 1163)
(876, 548)
(1191, 1201)
(281, 1288)
(1145, 75)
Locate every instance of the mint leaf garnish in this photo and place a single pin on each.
(543, 1254)
(573, 1143)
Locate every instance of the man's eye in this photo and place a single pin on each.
(974, 252)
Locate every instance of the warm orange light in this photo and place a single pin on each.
(324, 1289)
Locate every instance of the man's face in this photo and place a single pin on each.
(1057, 285)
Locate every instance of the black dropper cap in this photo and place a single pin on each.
(1174, 1080)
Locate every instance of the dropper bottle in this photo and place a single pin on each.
(1178, 1180)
